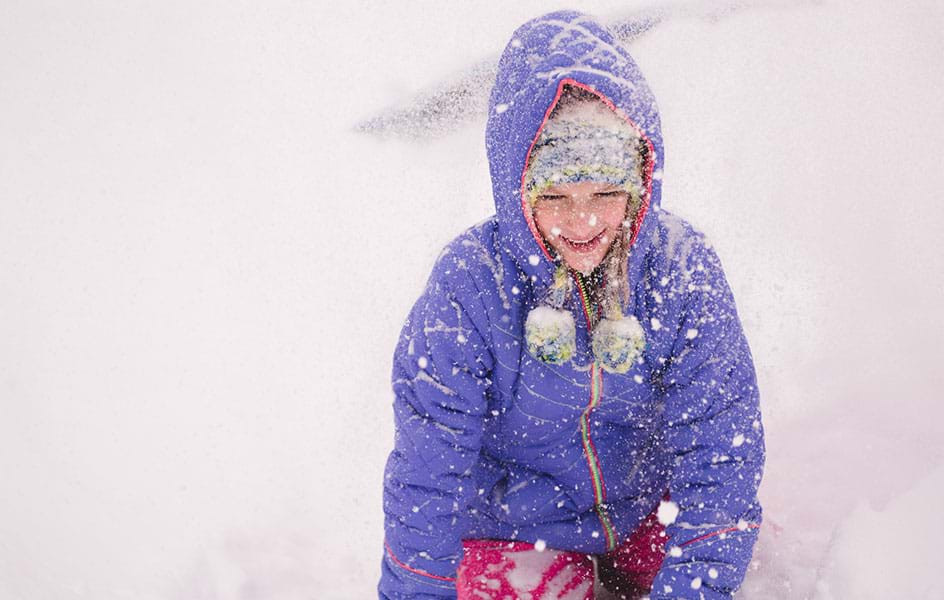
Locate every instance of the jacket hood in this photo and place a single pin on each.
(543, 56)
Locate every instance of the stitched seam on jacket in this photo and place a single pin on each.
(719, 532)
(406, 567)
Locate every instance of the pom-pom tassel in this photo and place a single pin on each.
(617, 343)
(550, 331)
(551, 334)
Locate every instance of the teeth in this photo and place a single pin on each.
(586, 241)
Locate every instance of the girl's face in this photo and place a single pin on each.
(581, 220)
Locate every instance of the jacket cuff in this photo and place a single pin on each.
(400, 579)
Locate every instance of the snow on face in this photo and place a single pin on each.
(580, 220)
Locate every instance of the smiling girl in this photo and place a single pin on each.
(575, 401)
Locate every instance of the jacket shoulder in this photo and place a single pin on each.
(678, 241)
(681, 259)
(467, 264)
(464, 276)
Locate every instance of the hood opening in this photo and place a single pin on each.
(570, 90)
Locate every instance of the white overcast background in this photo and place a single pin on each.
(204, 270)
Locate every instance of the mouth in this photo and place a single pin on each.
(584, 246)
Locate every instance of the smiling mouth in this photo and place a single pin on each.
(588, 245)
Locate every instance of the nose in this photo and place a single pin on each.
(581, 213)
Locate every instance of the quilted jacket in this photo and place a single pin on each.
(493, 443)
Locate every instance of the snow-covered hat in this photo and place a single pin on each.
(585, 140)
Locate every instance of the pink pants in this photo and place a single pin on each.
(496, 570)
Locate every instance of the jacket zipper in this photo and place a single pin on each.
(593, 461)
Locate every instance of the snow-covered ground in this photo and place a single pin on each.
(204, 269)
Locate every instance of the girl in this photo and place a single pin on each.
(573, 390)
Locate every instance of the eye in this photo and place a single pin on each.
(551, 197)
(611, 194)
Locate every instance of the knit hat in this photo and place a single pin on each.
(586, 140)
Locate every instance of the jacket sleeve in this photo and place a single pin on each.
(713, 429)
(440, 376)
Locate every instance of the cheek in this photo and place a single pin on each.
(546, 220)
(613, 215)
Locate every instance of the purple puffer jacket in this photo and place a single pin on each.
(493, 443)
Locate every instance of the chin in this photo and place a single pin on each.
(583, 264)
